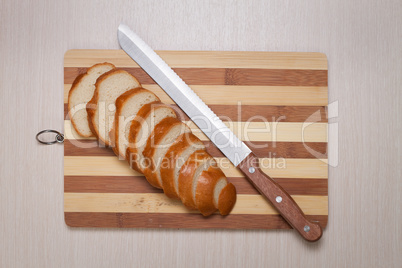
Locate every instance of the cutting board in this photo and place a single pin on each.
(275, 102)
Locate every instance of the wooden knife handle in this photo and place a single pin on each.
(280, 199)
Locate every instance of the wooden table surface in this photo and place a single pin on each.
(363, 43)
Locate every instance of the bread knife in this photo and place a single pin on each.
(232, 147)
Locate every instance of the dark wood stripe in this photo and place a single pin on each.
(228, 76)
(276, 77)
(138, 184)
(108, 184)
(258, 113)
(182, 220)
(261, 149)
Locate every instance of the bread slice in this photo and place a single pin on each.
(101, 108)
(189, 174)
(174, 159)
(127, 107)
(210, 187)
(163, 136)
(227, 198)
(141, 128)
(80, 93)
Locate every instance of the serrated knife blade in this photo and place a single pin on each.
(231, 146)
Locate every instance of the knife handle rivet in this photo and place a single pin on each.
(251, 170)
(278, 199)
(306, 228)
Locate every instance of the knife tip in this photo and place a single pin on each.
(122, 26)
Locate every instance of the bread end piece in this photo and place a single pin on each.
(227, 199)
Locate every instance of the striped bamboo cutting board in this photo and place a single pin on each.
(275, 102)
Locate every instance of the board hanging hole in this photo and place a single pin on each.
(59, 138)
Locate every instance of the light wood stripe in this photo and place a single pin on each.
(275, 167)
(204, 59)
(282, 167)
(160, 203)
(256, 95)
(253, 131)
(261, 149)
(272, 131)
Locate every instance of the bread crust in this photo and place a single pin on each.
(169, 163)
(120, 101)
(136, 124)
(204, 195)
(186, 177)
(92, 105)
(73, 88)
(227, 199)
(77, 80)
(159, 132)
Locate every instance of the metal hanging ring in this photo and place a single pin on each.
(59, 138)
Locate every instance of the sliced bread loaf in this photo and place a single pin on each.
(163, 136)
(189, 174)
(127, 107)
(101, 108)
(141, 128)
(82, 90)
(152, 139)
(174, 159)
